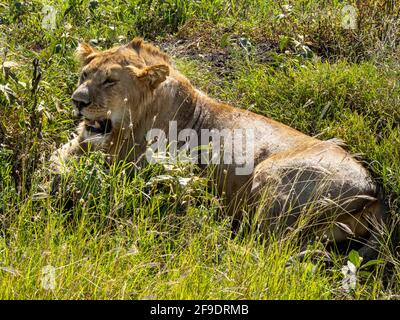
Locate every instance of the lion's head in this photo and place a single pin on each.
(116, 84)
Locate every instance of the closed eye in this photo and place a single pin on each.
(109, 82)
(83, 76)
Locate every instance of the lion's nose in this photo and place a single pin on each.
(80, 98)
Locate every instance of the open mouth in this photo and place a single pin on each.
(98, 126)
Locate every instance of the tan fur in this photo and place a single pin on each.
(150, 92)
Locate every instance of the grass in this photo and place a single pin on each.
(157, 234)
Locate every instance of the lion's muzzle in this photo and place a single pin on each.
(98, 126)
(81, 97)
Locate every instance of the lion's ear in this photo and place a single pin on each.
(153, 75)
(84, 52)
(135, 44)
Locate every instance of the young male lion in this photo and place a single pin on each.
(125, 91)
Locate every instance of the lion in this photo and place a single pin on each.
(125, 91)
